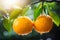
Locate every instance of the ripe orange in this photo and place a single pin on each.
(23, 25)
(43, 24)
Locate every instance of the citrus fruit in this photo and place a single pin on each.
(43, 24)
(22, 25)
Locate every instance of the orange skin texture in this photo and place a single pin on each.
(43, 24)
(23, 25)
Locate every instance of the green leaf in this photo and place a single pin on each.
(37, 11)
(51, 4)
(25, 10)
(55, 17)
(7, 24)
(15, 13)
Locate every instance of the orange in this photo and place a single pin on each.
(22, 25)
(43, 24)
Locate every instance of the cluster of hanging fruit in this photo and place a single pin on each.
(24, 25)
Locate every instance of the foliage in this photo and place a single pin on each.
(55, 18)
(37, 11)
(15, 13)
(7, 24)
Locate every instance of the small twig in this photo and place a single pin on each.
(38, 2)
(35, 2)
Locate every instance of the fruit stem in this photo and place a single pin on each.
(43, 7)
(46, 10)
(35, 2)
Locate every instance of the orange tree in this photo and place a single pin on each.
(32, 11)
